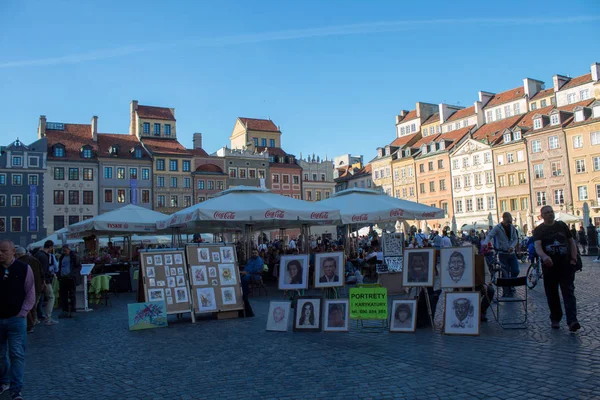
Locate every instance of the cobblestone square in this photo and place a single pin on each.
(95, 357)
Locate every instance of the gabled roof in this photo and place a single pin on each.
(165, 146)
(198, 152)
(528, 118)
(460, 114)
(73, 137)
(589, 120)
(255, 124)
(433, 118)
(426, 140)
(505, 97)
(543, 93)
(410, 116)
(357, 173)
(273, 151)
(125, 143)
(580, 80)
(151, 112)
(403, 140)
(455, 136)
(493, 131)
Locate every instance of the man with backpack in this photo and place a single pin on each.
(557, 250)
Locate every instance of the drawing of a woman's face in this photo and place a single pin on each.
(307, 309)
(293, 270)
(278, 314)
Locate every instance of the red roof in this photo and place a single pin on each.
(151, 112)
(460, 114)
(211, 168)
(426, 140)
(528, 118)
(73, 137)
(571, 107)
(124, 141)
(402, 140)
(432, 119)
(543, 93)
(411, 115)
(456, 135)
(165, 146)
(505, 97)
(358, 172)
(273, 151)
(254, 124)
(493, 130)
(198, 152)
(580, 80)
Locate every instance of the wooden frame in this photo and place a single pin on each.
(398, 322)
(457, 267)
(462, 312)
(323, 281)
(419, 265)
(336, 315)
(311, 321)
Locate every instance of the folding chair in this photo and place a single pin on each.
(520, 285)
(256, 284)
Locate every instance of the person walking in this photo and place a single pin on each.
(69, 269)
(17, 298)
(38, 280)
(557, 249)
(582, 236)
(47, 259)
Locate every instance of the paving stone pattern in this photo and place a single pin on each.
(96, 357)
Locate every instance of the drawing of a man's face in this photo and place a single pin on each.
(418, 267)
(462, 308)
(329, 267)
(456, 266)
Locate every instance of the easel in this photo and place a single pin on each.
(371, 328)
(420, 290)
(330, 293)
(293, 295)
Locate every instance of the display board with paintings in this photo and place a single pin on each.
(214, 278)
(165, 279)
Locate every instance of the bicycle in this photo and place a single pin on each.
(534, 273)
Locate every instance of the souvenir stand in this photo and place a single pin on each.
(164, 277)
(391, 277)
(214, 279)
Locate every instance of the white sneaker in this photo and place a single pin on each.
(4, 387)
(50, 321)
(596, 260)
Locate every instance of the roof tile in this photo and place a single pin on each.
(543, 93)
(505, 97)
(433, 119)
(460, 114)
(73, 137)
(402, 140)
(493, 130)
(580, 80)
(125, 142)
(254, 124)
(151, 112)
(165, 146)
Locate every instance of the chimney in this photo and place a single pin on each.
(445, 112)
(42, 127)
(532, 86)
(484, 97)
(197, 141)
(95, 128)
(559, 81)
(133, 106)
(479, 113)
(595, 70)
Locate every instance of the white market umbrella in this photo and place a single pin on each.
(243, 205)
(562, 216)
(126, 220)
(57, 238)
(478, 225)
(364, 206)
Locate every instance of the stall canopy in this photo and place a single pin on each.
(368, 206)
(243, 205)
(562, 216)
(477, 225)
(57, 238)
(123, 221)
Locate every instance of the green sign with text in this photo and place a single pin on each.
(368, 303)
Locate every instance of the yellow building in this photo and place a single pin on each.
(583, 147)
(171, 162)
(251, 133)
(403, 167)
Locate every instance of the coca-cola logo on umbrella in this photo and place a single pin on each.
(429, 214)
(319, 215)
(224, 215)
(188, 218)
(275, 214)
(360, 217)
(396, 212)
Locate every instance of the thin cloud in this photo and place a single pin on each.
(336, 30)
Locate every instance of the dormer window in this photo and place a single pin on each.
(380, 152)
(517, 135)
(59, 150)
(579, 115)
(507, 138)
(554, 119)
(137, 153)
(537, 123)
(114, 150)
(432, 147)
(442, 145)
(424, 149)
(596, 111)
(86, 152)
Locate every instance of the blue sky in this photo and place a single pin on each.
(332, 74)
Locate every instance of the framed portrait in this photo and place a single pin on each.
(168, 259)
(418, 267)
(158, 259)
(156, 295)
(203, 255)
(336, 314)
(457, 267)
(199, 276)
(149, 260)
(307, 316)
(461, 313)
(171, 281)
(228, 296)
(227, 274)
(181, 295)
(279, 316)
(178, 259)
(150, 272)
(212, 272)
(293, 272)
(404, 316)
(180, 280)
(227, 255)
(329, 269)
(216, 257)
(206, 299)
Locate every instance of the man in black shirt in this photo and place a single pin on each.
(556, 248)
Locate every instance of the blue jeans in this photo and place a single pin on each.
(13, 339)
(510, 267)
